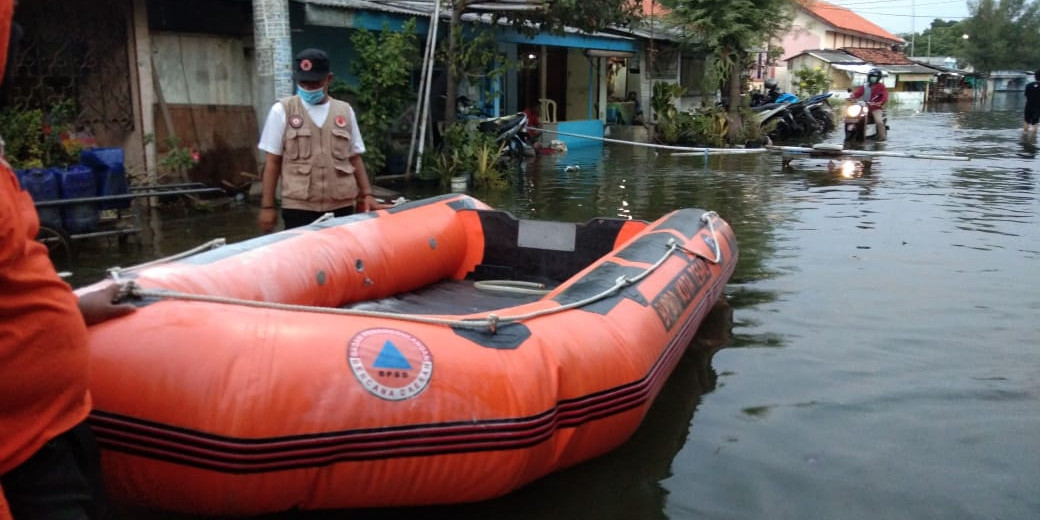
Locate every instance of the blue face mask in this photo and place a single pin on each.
(311, 97)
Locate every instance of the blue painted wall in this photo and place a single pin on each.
(589, 127)
(336, 41)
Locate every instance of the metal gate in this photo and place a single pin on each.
(74, 54)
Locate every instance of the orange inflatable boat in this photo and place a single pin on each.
(436, 352)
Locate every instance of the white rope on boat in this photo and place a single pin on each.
(709, 217)
(114, 272)
(691, 151)
(491, 322)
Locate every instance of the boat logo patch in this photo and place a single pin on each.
(296, 121)
(390, 364)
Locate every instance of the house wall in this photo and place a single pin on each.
(205, 93)
(203, 69)
(809, 33)
(837, 40)
(579, 72)
(841, 80)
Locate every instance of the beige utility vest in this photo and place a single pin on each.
(316, 170)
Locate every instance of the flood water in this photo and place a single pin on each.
(880, 353)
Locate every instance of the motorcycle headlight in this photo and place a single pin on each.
(853, 111)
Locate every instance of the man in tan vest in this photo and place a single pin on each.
(314, 148)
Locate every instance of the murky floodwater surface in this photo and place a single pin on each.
(884, 357)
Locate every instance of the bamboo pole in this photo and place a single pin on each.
(422, 95)
(824, 152)
(683, 151)
(435, 20)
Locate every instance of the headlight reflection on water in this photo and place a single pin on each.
(847, 169)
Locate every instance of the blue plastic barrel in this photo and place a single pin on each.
(78, 182)
(109, 165)
(42, 185)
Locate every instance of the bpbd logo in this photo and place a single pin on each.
(390, 364)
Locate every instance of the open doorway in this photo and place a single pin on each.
(529, 77)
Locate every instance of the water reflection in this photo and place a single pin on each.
(1028, 143)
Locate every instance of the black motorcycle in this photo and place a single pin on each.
(510, 131)
(799, 119)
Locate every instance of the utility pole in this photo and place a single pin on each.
(913, 27)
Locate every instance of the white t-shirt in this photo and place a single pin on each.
(274, 127)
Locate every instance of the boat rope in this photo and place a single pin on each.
(115, 272)
(692, 150)
(491, 322)
(708, 217)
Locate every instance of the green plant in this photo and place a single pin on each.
(486, 155)
(383, 66)
(177, 160)
(454, 157)
(753, 131)
(35, 139)
(662, 99)
(809, 82)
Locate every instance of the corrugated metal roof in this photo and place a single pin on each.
(833, 56)
(652, 29)
(913, 68)
(889, 70)
(356, 5)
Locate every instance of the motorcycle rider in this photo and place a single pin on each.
(876, 94)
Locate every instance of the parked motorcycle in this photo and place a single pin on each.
(859, 122)
(798, 119)
(510, 131)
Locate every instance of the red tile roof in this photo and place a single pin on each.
(845, 19)
(655, 7)
(879, 56)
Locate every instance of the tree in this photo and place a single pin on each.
(551, 16)
(1002, 34)
(942, 38)
(731, 29)
(383, 68)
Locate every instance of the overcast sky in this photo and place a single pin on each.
(904, 16)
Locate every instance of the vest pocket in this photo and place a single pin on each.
(343, 185)
(296, 181)
(298, 144)
(340, 143)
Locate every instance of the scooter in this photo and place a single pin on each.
(798, 119)
(820, 109)
(509, 131)
(859, 123)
